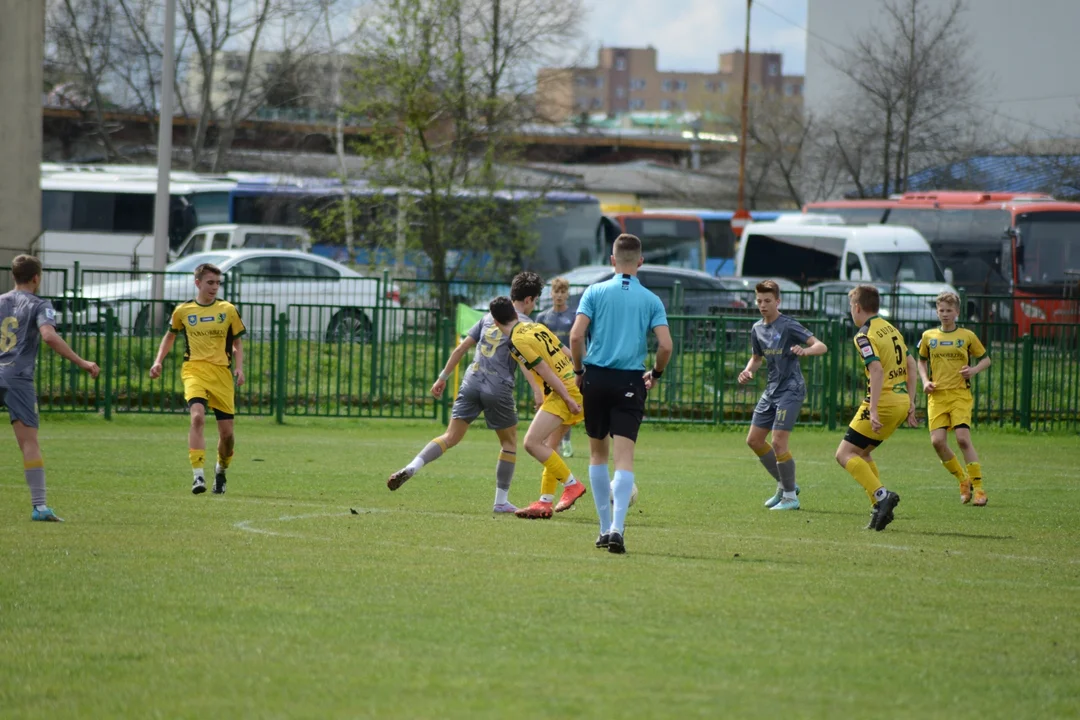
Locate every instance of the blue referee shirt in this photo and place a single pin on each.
(621, 312)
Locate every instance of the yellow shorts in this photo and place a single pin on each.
(556, 406)
(949, 408)
(892, 416)
(214, 383)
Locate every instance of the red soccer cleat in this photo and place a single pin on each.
(570, 496)
(538, 509)
(965, 492)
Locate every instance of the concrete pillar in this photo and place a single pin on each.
(22, 45)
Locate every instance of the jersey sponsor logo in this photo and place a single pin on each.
(865, 348)
(221, 317)
(50, 314)
(192, 319)
(946, 343)
(206, 318)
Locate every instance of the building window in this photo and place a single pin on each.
(637, 84)
(597, 103)
(234, 63)
(620, 92)
(582, 80)
(672, 105)
(674, 85)
(637, 104)
(620, 63)
(774, 69)
(598, 82)
(718, 86)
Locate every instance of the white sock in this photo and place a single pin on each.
(502, 497)
(789, 495)
(416, 464)
(218, 469)
(198, 472)
(547, 498)
(570, 481)
(880, 493)
(41, 508)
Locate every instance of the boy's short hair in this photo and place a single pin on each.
(626, 249)
(560, 283)
(949, 298)
(24, 268)
(526, 285)
(206, 269)
(768, 286)
(502, 310)
(866, 297)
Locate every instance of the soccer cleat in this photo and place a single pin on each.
(46, 515)
(565, 448)
(398, 479)
(504, 508)
(538, 509)
(198, 486)
(775, 499)
(219, 484)
(616, 544)
(965, 491)
(980, 498)
(786, 504)
(602, 541)
(570, 496)
(883, 511)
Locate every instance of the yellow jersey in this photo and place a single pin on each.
(947, 352)
(209, 330)
(879, 341)
(534, 343)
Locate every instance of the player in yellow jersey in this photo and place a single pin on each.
(213, 357)
(535, 346)
(945, 356)
(889, 400)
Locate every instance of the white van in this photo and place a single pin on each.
(234, 237)
(811, 253)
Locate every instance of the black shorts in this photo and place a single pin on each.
(614, 402)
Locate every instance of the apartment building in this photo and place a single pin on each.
(628, 80)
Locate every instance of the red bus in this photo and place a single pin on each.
(666, 238)
(1020, 245)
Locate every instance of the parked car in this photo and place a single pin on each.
(703, 294)
(210, 238)
(898, 303)
(792, 297)
(334, 299)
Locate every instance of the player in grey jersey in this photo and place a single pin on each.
(26, 320)
(559, 318)
(779, 341)
(488, 388)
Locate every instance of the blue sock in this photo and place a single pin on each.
(622, 489)
(601, 493)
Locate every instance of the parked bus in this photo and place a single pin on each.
(1025, 246)
(721, 245)
(667, 238)
(103, 217)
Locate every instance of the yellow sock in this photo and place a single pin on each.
(764, 450)
(860, 470)
(974, 471)
(873, 468)
(548, 483)
(954, 467)
(224, 461)
(556, 469)
(197, 458)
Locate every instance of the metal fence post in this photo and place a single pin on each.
(110, 329)
(279, 371)
(447, 340)
(834, 373)
(1027, 366)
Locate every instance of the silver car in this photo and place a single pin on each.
(319, 295)
(899, 303)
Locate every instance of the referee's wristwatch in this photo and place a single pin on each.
(656, 374)
(579, 372)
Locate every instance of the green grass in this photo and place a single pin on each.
(276, 601)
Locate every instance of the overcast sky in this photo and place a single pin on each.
(690, 34)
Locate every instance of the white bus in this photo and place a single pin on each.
(103, 216)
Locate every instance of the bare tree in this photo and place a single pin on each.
(914, 77)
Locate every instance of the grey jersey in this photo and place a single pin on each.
(559, 323)
(773, 342)
(21, 314)
(492, 368)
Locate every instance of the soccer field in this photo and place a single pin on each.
(277, 601)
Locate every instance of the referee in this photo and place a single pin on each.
(613, 322)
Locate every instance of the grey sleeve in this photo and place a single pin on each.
(755, 344)
(799, 333)
(44, 314)
(475, 330)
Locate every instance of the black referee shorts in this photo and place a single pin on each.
(614, 402)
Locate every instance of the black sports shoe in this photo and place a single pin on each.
(615, 544)
(883, 511)
(198, 486)
(219, 484)
(602, 541)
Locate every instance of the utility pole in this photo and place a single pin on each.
(742, 216)
(164, 159)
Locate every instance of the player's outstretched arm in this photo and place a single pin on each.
(455, 357)
(812, 347)
(53, 340)
(163, 350)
